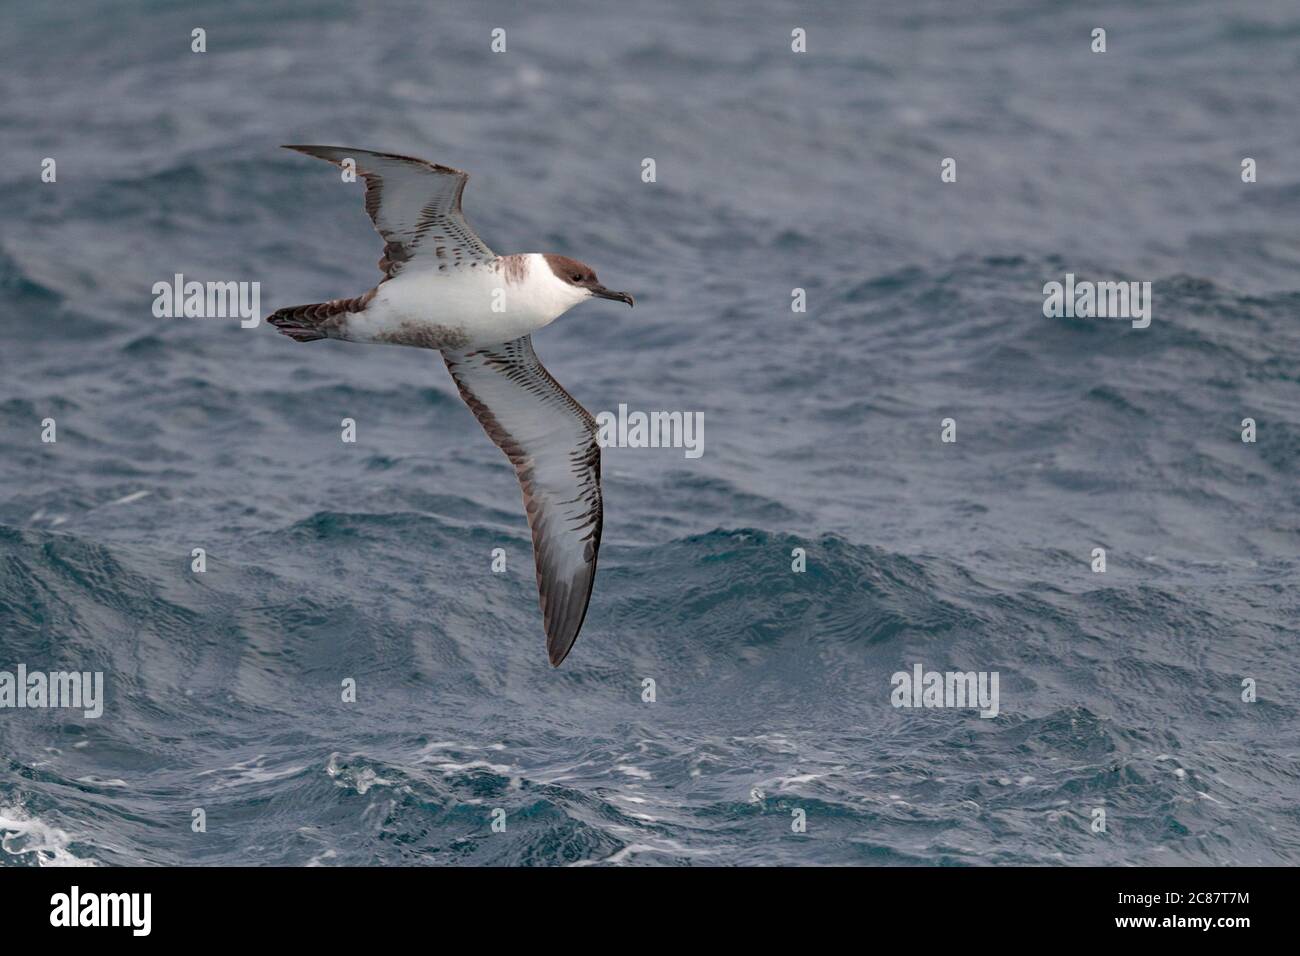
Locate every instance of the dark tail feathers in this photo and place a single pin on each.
(317, 320)
(297, 323)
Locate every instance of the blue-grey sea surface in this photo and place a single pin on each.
(1120, 691)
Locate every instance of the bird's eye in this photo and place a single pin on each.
(577, 277)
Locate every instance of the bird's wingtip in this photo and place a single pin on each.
(313, 149)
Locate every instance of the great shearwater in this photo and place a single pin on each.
(444, 289)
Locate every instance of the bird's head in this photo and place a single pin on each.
(582, 279)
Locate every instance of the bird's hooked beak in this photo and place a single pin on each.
(601, 292)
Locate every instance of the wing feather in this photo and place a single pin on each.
(551, 441)
(415, 206)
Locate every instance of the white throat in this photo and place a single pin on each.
(545, 293)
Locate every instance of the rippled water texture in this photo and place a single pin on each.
(775, 171)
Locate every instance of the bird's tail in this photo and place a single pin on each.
(299, 322)
(317, 320)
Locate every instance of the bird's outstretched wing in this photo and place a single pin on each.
(551, 441)
(415, 206)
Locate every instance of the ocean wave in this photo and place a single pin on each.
(29, 841)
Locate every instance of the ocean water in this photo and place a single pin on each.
(1119, 691)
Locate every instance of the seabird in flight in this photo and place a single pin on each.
(444, 289)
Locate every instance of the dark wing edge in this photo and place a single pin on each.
(407, 199)
(550, 440)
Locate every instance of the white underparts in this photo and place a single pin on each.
(471, 306)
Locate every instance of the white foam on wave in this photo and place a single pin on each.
(21, 833)
(251, 771)
(359, 780)
(666, 846)
(133, 496)
(497, 768)
(632, 771)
